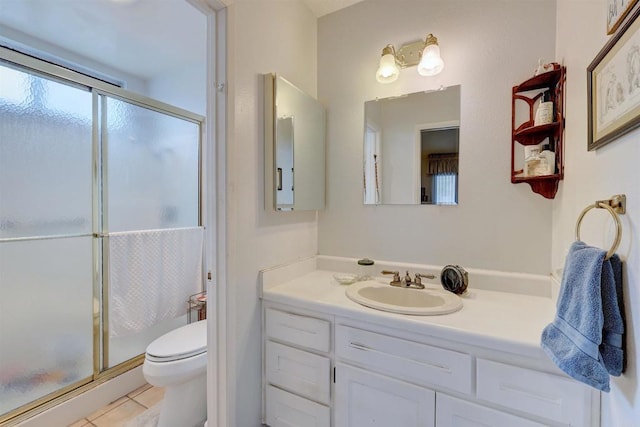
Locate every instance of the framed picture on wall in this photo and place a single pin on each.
(617, 10)
(613, 81)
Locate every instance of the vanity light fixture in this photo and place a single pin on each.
(425, 54)
(388, 70)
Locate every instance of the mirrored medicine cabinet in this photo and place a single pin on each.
(411, 148)
(294, 147)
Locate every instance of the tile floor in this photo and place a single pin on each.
(119, 412)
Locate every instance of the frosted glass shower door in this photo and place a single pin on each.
(152, 204)
(46, 251)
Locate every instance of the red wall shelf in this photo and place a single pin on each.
(531, 92)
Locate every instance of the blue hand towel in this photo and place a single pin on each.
(585, 339)
(612, 347)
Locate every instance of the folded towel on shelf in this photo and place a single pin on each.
(585, 339)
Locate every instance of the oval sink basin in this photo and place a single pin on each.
(421, 302)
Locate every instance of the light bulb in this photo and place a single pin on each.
(431, 62)
(388, 70)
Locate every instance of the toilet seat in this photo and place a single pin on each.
(182, 343)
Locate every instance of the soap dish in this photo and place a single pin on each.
(345, 279)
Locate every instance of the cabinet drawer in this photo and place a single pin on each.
(538, 393)
(452, 412)
(298, 371)
(407, 360)
(286, 410)
(299, 330)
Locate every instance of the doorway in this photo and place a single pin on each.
(180, 89)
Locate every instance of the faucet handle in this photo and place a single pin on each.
(396, 274)
(426, 276)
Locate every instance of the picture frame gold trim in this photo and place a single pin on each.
(615, 18)
(613, 86)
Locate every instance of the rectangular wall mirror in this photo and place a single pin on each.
(294, 147)
(411, 149)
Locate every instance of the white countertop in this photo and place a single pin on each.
(502, 321)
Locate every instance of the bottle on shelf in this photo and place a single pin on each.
(550, 158)
(535, 164)
(544, 113)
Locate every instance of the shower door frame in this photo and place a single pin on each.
(99, 88)
(100, 208)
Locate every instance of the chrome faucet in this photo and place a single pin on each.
(406, 281)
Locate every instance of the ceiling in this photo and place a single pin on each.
(323, 7)
(318, 7)
(144, 38)
(141, 37)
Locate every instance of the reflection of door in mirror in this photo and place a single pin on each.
(371, 163)
(410, 153)
(284, 162)
(439, 164)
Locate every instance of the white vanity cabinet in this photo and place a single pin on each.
(409, 380)
(297, 369)
(465, 388)
(324, 371)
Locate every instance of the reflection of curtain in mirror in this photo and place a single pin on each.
(444, 168)
(372, 165)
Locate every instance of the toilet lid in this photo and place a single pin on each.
(186, 341)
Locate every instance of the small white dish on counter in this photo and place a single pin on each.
(420, 302)
(345, 279)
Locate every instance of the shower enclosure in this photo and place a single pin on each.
(101, 238)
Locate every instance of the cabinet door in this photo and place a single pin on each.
(452, 412)
(365, 399)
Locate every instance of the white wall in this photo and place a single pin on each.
(263, 37)
(590, 176)
(488, 46)
(183, 86)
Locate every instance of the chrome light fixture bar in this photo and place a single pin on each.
(425, 54)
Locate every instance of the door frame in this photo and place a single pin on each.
(215, 205)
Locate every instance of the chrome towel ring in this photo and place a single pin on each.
(616, 206)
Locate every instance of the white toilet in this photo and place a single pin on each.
(177, 361)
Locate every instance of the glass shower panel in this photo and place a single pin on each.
(46, 330)
(45, 156)
(153, 169)
(148, 189)
(152, 183)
